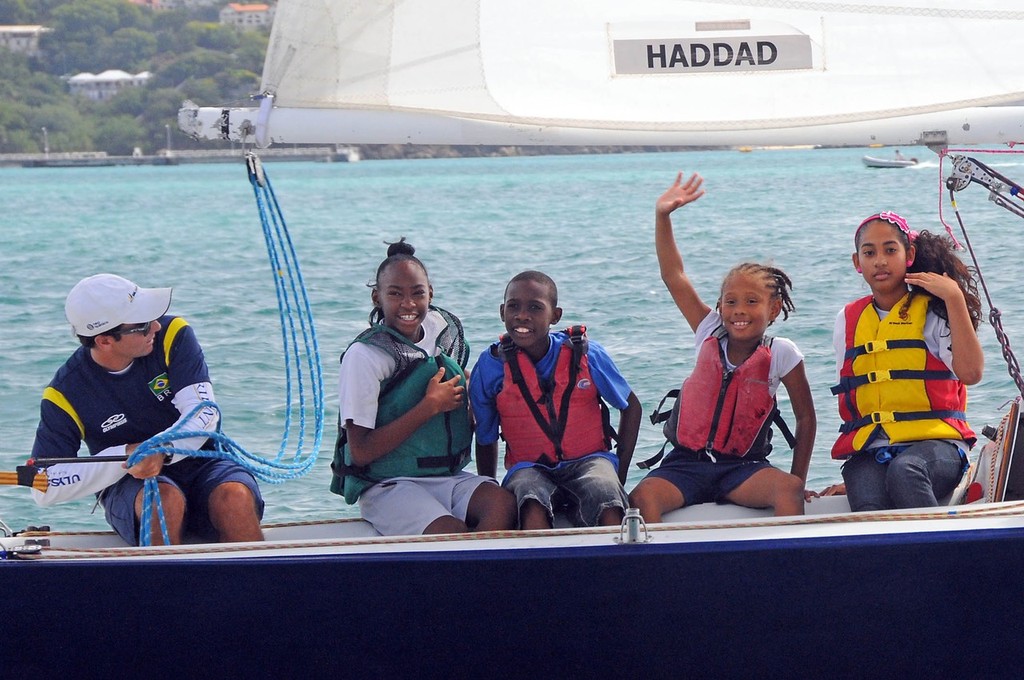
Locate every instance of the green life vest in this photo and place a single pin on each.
(441, 446)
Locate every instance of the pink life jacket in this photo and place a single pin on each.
(723, 412)
(563, 421)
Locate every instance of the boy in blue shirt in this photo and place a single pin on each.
(544, 391)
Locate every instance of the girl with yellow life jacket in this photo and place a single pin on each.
(904, 355)
(726, 406)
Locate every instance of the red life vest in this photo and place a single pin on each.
(891, 384)
(550, 423)
(722, 412)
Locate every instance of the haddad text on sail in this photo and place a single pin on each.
(770, 53)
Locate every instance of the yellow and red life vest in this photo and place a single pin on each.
(550, 423)
(891, 384)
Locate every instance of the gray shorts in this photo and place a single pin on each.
(196, 478)
(584, 488)
(407, 505)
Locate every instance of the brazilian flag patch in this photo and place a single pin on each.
(159, 384)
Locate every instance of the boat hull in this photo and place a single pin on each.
(873, 162)
(908, 604)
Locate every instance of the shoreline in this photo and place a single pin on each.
(93, 159)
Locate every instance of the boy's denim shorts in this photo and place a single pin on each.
(584, 487)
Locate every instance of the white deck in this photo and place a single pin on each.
(826, 518)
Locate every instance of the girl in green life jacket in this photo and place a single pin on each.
(406, 434)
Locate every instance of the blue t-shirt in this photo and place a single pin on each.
(123, 408)
(488, 377)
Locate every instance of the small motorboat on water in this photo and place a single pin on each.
(875, 162)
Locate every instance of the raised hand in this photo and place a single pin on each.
(680, 193)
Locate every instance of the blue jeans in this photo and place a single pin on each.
(916, 477)
(585, 487)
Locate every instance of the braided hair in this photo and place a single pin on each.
(776, 281)
(399, 251)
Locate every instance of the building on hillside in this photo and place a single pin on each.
(176, 4)
(105, 85)
(22, 39)
(247, 17)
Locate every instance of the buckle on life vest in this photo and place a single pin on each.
(880, 417)
(879, 376)
(872, 346)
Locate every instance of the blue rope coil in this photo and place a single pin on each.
(302, 365)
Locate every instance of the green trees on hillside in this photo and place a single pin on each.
(189, 55)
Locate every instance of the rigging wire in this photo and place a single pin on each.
(965, 171)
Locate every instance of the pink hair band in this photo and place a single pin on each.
(892, 218)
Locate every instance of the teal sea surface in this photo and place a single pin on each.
(587, 220)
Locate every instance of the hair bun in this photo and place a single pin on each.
(400, 248)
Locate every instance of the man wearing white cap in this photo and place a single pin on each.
(139, 372)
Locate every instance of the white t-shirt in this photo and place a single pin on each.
(364, 367)
(785, 354)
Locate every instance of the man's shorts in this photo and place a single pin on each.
(196, 478)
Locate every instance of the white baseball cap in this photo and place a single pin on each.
(100, 303)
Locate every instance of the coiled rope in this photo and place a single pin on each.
(303, 373)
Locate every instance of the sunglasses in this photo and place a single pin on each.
(142, 328)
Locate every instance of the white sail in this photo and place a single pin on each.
(635, 72)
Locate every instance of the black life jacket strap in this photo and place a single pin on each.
(850, 383)
(873, 346)
(510, 352)
(340, 470)
(660, 416)
(578, 343)
(653, 460)
(783, 426)
(882, 417)
(726, 379)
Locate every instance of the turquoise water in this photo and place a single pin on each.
(586, 220)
